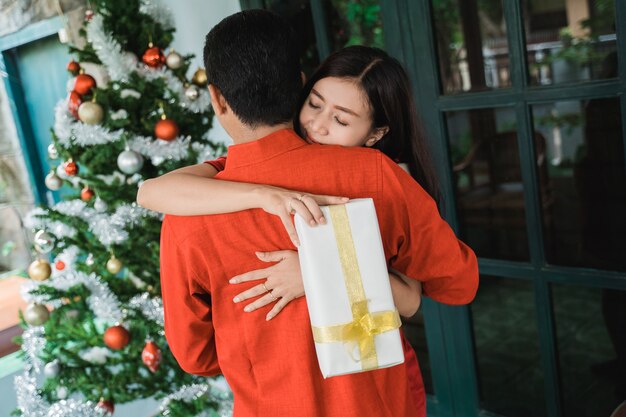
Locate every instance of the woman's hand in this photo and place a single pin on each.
(282, 282)
(283, 203)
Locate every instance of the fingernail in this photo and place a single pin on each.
(268, 317)
(236, 299)
(312, 222)
(260, 253)
(247, 309)
(322, 220)
(232, 281)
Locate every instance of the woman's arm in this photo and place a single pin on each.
(192, 191)
(283, 283)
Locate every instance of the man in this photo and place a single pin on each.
(253, 70)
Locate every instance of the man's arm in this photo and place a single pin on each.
(420, 243)
(188, 312)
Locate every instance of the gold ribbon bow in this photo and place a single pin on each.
(364, 325)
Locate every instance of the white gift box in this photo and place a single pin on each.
(354, 320)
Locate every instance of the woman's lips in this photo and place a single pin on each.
(310, 139)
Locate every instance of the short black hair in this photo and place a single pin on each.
(252, 58)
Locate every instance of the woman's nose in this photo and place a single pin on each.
(318, 126)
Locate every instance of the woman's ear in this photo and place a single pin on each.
(377, 134)
(303, 77)
(218, 102)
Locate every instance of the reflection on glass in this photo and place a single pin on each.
(355, 23)
(414, 332)
(591, 332)
(488, 182)
(585, 201)
(570, 40)
(507, 348)
(472, 45)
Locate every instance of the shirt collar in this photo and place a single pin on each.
(267, 147)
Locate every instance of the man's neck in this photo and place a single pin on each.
(245, 134)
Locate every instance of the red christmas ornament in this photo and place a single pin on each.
(166, 129)
(86, 194)
(71, 168)
(116, 337)
(73, 67)
(153, 57)
(84, 84)
(73, 103)
(151, 356)
(59, 265)
(106, 405)
(89, 15)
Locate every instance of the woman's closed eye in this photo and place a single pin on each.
(340, 122)
(313, 105)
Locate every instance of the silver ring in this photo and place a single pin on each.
(301, 197)
(264, 287)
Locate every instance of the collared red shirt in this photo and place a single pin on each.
(271, 366)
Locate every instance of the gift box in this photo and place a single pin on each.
(354, 320)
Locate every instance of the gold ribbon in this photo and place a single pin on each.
(364, 325)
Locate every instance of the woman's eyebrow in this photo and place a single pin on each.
(343, 109)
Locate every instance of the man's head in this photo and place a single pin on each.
(252, 59)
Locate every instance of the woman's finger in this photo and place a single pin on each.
(299, 207)
(250, 276)
(263, 301)
(250, 293)
(273, 256)
(280, 304)
(285, 218)
(313, 208)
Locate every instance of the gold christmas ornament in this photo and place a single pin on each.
(91, 113)
(199, 78)
(114, 265)
(39, 270)
(36, 314)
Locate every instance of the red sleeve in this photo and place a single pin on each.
(420, 244)
(219, 163)
(188, 313)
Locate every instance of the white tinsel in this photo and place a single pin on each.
(158, 12)
(128, 92)
(68, 257)
(109, 51)
(205, 152)
(32, 404)
(71, 132)
(159, 150)
(151, 308)
(57, 228)
(176, 86)
(216, 389)
(97, 355)
(104, 304)
(33, 342)
(119, 115)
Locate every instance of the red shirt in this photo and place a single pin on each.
(271, 366)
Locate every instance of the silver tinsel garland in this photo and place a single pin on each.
(119, 64)
(71, 132)
(32, 404)
(33, 342)
(104, 304)
(151, 308)
(199, 105)
(158, 12)
(214, 388)
(158, 150)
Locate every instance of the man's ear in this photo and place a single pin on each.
(376, 135)
(218, 102)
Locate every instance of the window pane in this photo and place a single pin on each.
(355, 23)
(507, 348)
(591, 331)
(584, 199)
(472, 45)
(488, 182)
(570, 40)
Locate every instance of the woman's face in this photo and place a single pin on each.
(337, 112)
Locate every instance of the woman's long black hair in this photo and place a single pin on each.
(388, 89)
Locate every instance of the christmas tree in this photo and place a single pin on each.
(93, 333)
